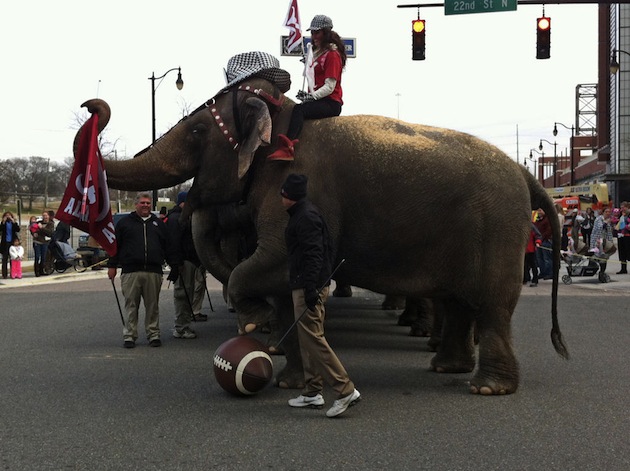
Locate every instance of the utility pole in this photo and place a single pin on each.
(46, 184)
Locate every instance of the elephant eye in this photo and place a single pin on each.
(199, 129)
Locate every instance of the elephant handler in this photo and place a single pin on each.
(143, 245)
(310, 252)
(184, 296)
(325, 100)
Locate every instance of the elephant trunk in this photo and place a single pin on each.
(207, 240)
(162, 165)
(101, 108)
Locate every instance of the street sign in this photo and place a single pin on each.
(350, 44)
(463, 7)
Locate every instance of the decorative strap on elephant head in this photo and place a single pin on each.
(219, 120)
(271, 101)
(261, 106)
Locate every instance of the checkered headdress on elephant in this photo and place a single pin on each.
(256, 64)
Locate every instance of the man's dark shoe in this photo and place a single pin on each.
(155, 343)
(622, 272)
(200, 317)
(129, 344)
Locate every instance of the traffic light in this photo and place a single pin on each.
(417, 44)
(543, 37)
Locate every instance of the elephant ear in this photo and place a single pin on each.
(257, 132)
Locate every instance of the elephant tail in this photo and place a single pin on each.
(540, 199)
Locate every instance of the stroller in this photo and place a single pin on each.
(585, 263)
(61, 256)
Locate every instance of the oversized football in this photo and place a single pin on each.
(242, 366)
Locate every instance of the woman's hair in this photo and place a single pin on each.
(7, 213)
(330, 36)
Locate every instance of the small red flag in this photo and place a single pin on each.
(292, 22)
(85, 203)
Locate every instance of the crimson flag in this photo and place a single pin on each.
(85, 204)
(292, 22)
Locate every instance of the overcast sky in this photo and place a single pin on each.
(480, 74)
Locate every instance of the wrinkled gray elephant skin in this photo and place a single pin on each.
(415, 210)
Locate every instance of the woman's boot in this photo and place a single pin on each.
(285, 150)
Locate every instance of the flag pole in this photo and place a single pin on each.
(304, 57)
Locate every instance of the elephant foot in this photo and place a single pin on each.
(452, 365)
(290, 380)
(248, 324)
(275, 350)
(434, 343)
(407, 319)
(273, 342)
(417, 331)
(248, 329)
(393, 303)
(343, 291)
(493, 387)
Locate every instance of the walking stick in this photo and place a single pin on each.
(318, 292)
(207, 292)
(118, 303)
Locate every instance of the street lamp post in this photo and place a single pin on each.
(531, 157)
(179, 83)
(555, 159)
(571, 160)
(614, 65)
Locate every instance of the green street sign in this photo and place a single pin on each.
(463, 7)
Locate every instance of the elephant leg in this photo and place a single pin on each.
(422, 326)
(292, 375)
(409, 314)
(250, 283)
(456, 352)
(275, 329)
(498, 368)
(438, 322)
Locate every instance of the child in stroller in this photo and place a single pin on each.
(584, 262)
(61, 256)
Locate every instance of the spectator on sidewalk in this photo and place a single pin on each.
(16, 252)
(544, 257)
(9, 229)
(41, 239)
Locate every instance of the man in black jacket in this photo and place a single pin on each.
(310, 251)
(143, 245)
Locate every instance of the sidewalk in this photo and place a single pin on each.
(619, 284)
(29, 278)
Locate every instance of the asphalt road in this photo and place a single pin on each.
(72, 398)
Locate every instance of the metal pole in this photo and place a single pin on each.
(46, 184)
(152, 78)
(555, 165)
(180, 84)
(572, 160)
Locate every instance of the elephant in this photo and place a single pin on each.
(389, 191)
